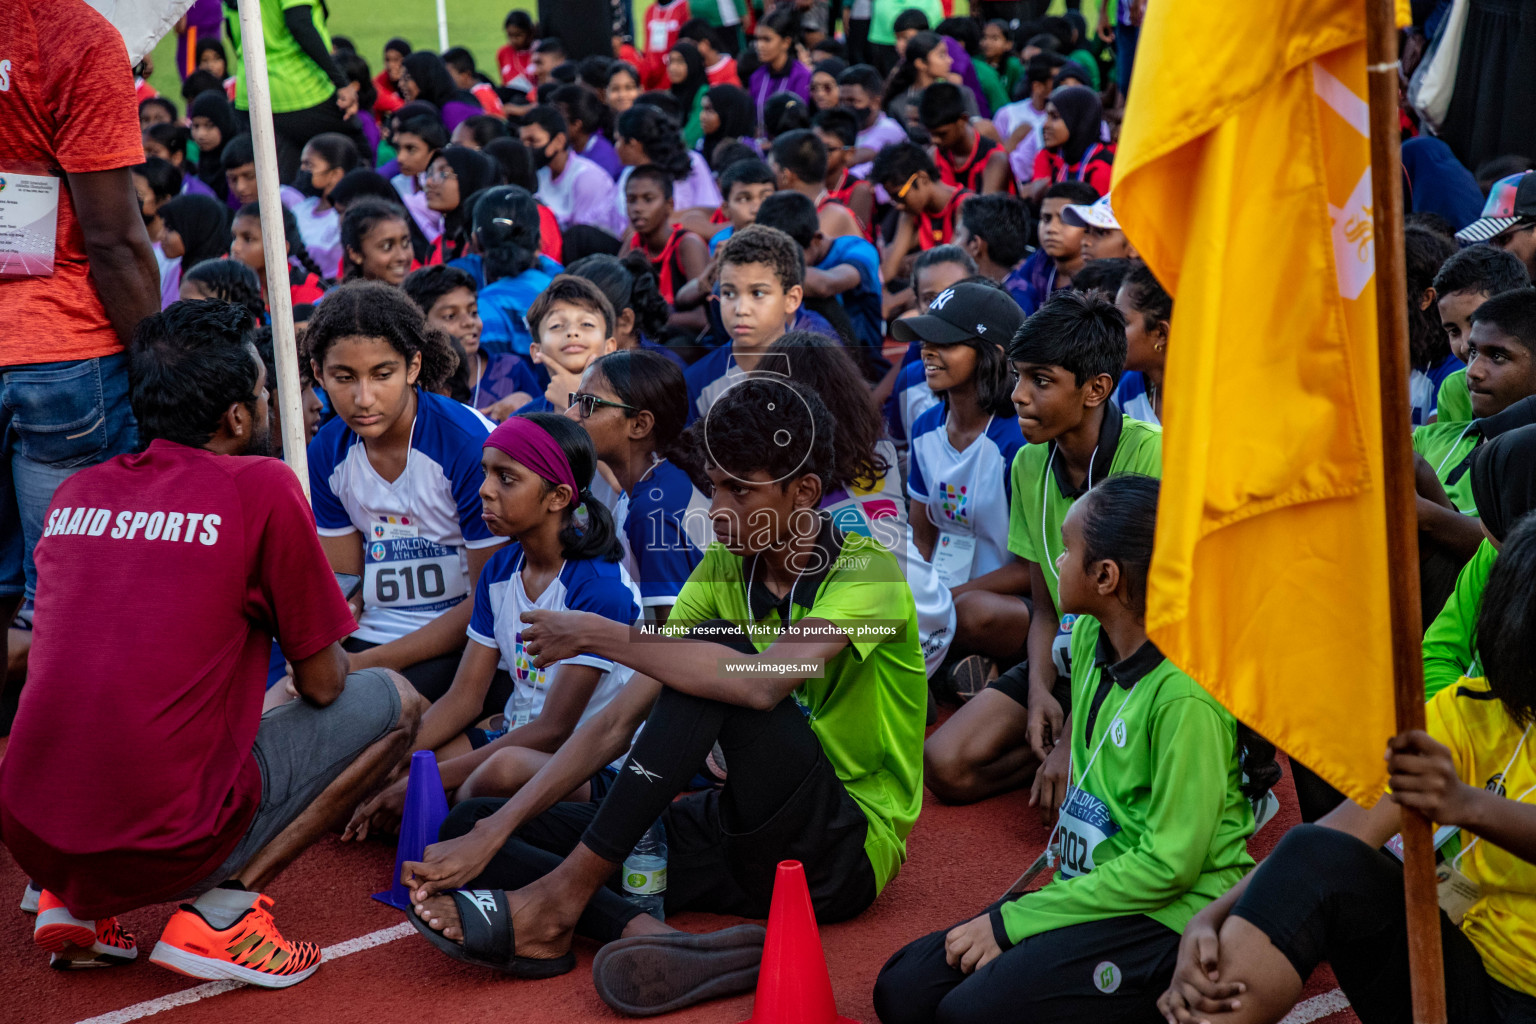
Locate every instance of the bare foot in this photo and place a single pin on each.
(645, 924)
(441, 915)
(540, 933)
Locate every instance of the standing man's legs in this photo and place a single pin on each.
(295, 128)
(55, 419)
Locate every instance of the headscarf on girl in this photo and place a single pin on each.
(738, 118)
(210, 165)
(476, 172)
(435, 85)
(1082, 112)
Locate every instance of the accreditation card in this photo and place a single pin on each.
(29, 223)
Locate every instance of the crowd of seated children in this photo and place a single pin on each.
(565, 336)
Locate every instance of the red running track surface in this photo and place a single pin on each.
(960, 859)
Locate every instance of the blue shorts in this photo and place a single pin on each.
(55, 420)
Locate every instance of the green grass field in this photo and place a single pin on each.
(472, 23)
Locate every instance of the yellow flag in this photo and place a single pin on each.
(1243, 178)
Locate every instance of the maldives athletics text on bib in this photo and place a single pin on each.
(402, 569)
(1085, 823)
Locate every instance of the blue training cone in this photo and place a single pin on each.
(426, 805)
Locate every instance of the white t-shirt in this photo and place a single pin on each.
(964, 493)
(583, 194)
(321, 232)
(417, 529)
(592, 585)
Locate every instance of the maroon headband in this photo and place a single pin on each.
(533, 446)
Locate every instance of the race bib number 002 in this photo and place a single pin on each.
(1085, 823)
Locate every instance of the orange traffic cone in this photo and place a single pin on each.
(793, 986)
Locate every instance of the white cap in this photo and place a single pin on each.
(1099, 215)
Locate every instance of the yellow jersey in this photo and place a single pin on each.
(1487, 746)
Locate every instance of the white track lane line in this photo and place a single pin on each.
(150, 1007)
(1316, 1008)
(1304, 1013)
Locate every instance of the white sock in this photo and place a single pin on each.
(222, 907)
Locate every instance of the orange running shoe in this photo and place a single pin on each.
(57, 928)
(250, 950)
(110, 946)
(77, 943)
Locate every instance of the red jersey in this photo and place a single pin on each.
(389, 100)
(511, 63)
(843, 196)
(724, 73)
(669, 271)
(659, 35)
(970, 173)
(65, 110)
(1097, 167)
(163, 578)
(939, 228)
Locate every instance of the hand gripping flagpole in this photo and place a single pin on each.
(1424, 957)
(273, 242)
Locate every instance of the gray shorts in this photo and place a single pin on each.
(302, 749)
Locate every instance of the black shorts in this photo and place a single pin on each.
(1014, 683)
(1324, 895)
(1103, 971)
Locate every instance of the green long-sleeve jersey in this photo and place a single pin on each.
(1450, 642)
(1157, 824)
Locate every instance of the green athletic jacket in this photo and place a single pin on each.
(1450, 642)
(1164, 821)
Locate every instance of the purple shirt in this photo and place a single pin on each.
(456, 112)
(601, 152)
(698, 189)
(884, 132)
(963, 67)
(796, 79)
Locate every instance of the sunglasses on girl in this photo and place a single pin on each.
(588, 404)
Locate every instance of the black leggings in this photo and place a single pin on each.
(781, 801)
(1103, 971)
(1324, 895)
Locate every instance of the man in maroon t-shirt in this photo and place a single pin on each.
(140, 768)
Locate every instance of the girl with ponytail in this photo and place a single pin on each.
(1154, 822)
(535, 489)
(395, 481)
(634, 405)
(306, 280)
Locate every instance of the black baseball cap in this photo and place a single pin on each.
(964, 313)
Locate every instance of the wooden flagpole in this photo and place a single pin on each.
(274, 244)
(1424, 957)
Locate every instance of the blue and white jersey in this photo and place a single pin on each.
(709, 378)
(592, 585)
(1424, 387)
(665, 527)
(417, 528)
(966, 493)
(1135, 399)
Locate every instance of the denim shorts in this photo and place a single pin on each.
(55, 420)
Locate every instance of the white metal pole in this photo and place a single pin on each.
(284, 347)
(442, 25)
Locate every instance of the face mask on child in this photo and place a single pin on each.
(304, 181)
